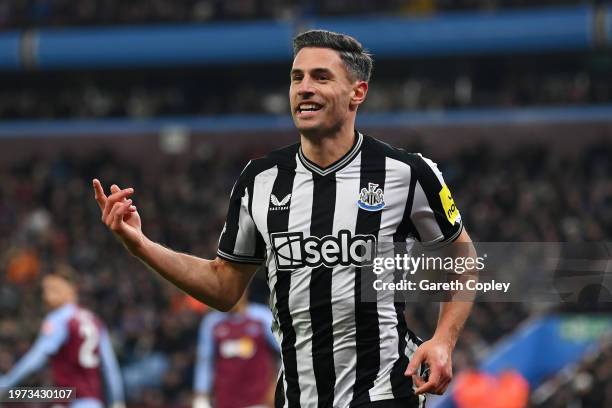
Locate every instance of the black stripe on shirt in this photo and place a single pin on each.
(432, 187)
(260, 244)
(366, 313)
(227, 242)
(279, 221)
(230, 234)
(406, 227)
(400, 384)
(322, 221)
(279, 394)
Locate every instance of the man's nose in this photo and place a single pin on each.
(305, 87)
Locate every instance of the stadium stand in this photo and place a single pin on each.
(494, 81)
(90, 12)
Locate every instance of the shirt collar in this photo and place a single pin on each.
(338, 164)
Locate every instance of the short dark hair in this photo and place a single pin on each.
(356, 58)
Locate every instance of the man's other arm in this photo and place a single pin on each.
(437, 352)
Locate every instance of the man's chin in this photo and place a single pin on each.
(305, 127)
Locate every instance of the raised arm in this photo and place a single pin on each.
(218, 283)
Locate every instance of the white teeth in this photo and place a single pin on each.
(309, 107)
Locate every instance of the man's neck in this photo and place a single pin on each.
(324, 150)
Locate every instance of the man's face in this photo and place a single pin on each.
(56, 291)
(321, 91)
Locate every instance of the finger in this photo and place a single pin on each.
(442, 388)
(445, 380)
(415, 362)
(118, 213)
(111, 214)
(116, 207)
(118, 194)
(431, 385)
(116, 197)
(99, 194)
(425, 388)
(115, 189)
(129, 212)
(418, 381)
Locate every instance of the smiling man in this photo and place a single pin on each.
(307, 212)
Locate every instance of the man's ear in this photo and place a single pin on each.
(360, 90)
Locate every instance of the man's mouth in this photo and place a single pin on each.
(308, 107)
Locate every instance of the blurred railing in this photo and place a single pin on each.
(547, 29)
(10, 50)
(255, 123)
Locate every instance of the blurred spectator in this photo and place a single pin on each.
(23, 267)
(475, 389)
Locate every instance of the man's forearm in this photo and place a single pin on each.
(454, 313)
(209, 281)
(452, 318)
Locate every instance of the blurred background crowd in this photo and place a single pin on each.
(525, 193)
(492, 81)
(57, 13)
(586, 384)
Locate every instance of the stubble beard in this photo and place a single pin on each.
(319, 132)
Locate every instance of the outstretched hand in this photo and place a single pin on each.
(120, 215)
(437, 355)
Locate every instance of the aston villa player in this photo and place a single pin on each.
(77, 346)
(237, 358)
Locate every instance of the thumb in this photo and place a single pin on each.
(415, 362)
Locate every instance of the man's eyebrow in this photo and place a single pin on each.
(313, 71)
(322, 71)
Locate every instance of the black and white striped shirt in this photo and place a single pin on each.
(306, 225)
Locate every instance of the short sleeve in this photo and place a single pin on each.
(240, 240)
(434, 213)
